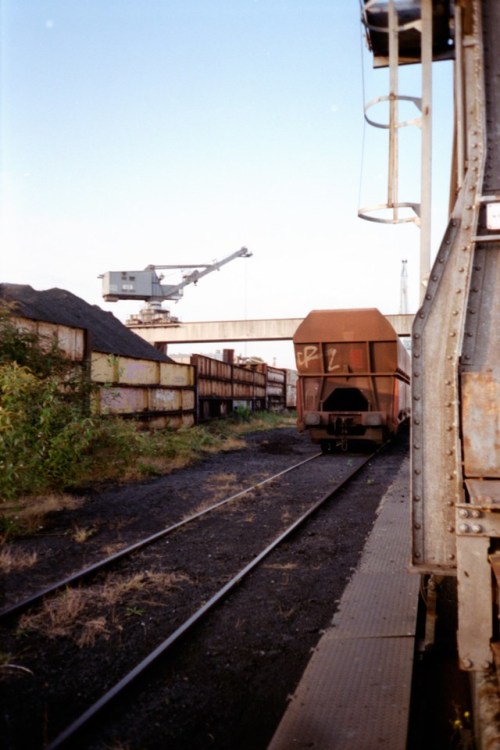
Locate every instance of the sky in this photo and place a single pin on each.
(178, 131)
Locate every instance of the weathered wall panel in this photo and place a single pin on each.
(176, 374)
(71, 341)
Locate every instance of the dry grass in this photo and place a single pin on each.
(27, 515)
(13, 560)
(72, 613)
(57, 616)
(91, 630)
(281, 566)
(80, 535)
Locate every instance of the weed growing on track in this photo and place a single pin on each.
(12, 560)
(67, 614)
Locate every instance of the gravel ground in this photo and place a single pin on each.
(224, 688)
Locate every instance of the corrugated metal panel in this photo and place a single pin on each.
(102, 369)
(243, 390)
(275, 375)
(214, 388)
(136, 371)
(243, 374)
(211, 368)
(165, 399)
(176, 374)
(71, 341)
(188, 399)
(260, 391)
(118, 400)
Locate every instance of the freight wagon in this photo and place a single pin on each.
(132, 379)
(353, 379)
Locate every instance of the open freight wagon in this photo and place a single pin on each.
(353, 377)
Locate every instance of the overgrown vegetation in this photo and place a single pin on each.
(68, 614)
(50, 442)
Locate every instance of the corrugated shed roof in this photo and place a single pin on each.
(108, 334)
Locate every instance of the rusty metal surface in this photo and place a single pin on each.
(437, 479)
(480, 378)
(364, 324)
(343, 352)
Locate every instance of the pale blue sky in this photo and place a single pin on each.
(177, 131)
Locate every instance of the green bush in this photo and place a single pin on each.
(49, 441)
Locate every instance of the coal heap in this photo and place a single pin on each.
(107, 333)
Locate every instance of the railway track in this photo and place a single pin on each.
(296, 509)
(110, 560)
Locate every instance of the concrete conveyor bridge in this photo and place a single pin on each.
(278, 329)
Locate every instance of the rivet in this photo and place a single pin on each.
(451, 556)
(476, 528)
(416, 374)
(416, 498)
(467, 663)
(450, 476)
(417, 526)
(428, 296)
(450, 528)
(476, 513)
(416, 335)
(417, 555)
(463, 528)
(453, 334)
(440, 260)
(416, 421)
(416, 356)
(463, 513)
(416, 398)
(435, 277)
(417, 472)
(461, 269)
(416, 447)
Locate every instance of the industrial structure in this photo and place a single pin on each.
(363, 660)
(455, 443)
(147, 285)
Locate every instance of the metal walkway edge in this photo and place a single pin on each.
(355, 692)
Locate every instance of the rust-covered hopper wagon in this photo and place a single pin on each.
(353, 377)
